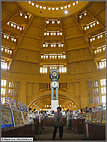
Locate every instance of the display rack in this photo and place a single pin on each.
(97, 117)
(94, 117)
(6, 118)
(18, 120)
(88, 117)
(25, 117)
(95, 126)
(13, 113)
(22, 107)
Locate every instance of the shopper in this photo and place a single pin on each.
(90, 109)
(68, 118)
(81, 111)
(30, 118)
(87, 109)
(58, 123)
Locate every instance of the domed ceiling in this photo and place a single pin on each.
(25, 29)
(53, 9)
(40, 35)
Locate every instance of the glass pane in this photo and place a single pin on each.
(3, 83)
(3, 91)
(6, 117)
(25, 115)
(17, 117)
(104, 99)
(96, 116)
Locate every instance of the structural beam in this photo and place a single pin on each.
(10, 18)
(87, 40)
(19, 42)
(91, 14)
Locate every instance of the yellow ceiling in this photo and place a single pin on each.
(28, 47)
(80, 57)
(53, 13)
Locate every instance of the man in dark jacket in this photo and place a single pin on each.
(58, 123)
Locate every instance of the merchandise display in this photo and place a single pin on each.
(96, 116)
(7, 102)
(95, 129)
(25, 117)
(22, 107)
(88, 117)
(18, 120)
(13, 113)
(6, 118)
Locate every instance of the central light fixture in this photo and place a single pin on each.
(66, 11)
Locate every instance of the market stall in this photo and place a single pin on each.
(14, 119)
(95, 126)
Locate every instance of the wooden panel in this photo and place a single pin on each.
(32, 90)
(78, 125)
(78, 55)
(27, 55)
(98, 41)
(77, 88)
(20, 131)
(8, 43)
(34, 32)
(71, 32)
(9, 9)
(96, 7)
(63, 86)
(53, 61)
(81, 67)
(50, 121)
(55, 26)
(25, 67)
(29, 90)
(102, 16)
(31, 43)
(94, 29)
(38, 22)
(43, 86)
(53, 38)
(75, 43)
(67, 22)
(95, 131)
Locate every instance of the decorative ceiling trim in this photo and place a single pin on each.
(53, 13)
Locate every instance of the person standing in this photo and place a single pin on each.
(87, 109)
(30, 118)
(68, 118)
(58, 123)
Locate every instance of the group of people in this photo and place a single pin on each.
(69, 115)
(58, 119)
(92, 109)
